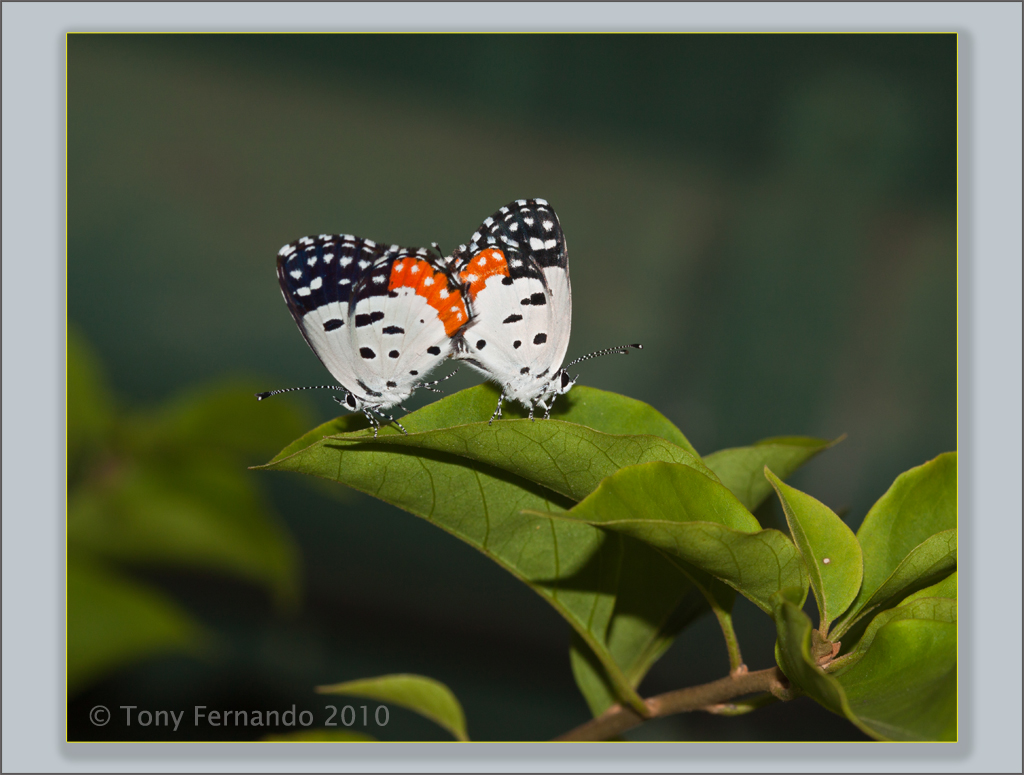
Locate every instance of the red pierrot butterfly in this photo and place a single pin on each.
(515, 273)
(379, 318)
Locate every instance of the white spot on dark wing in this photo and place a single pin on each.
(394, 248)
(476, 236)
(311, 260)
(491, 240)
(421, 252)
(316, 283)
(515, 263)
(287, 250)
(302, 292)
(488, 221)
(536, 244)
(328, 257)
(551, 243)
(367, 249)
(380, 279)
(540, 201)
(363, 264)
(345, 261)
(306, 240)
(503, 239)
(528, 221)
(296, 274)
(371, 243)
(548, 225)
(520, 202)
(344, 281)
(503, 210)
(513, 227)
(325, 236)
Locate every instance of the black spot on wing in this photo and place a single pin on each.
(393, 330)
(333, 324)
(517, 344)
(536, 299)
(481, 344)
(540, 339)
(367, 353)
(524, 370)
(393, 354)
(434, 350)
(367, 319)
(512, 319)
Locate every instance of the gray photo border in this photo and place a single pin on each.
(989, 396)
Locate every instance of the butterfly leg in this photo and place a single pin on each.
(389, 418)
(430, 385)
(373, 421)
(549, 407)
(497, 412)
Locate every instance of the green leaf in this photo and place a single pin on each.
(564, 457)
(926, 564)
(904, 687)
(794, 657)
(573, 566)
(320, 736)
(829, 548)
(198, 514)
(113, 622)
(606, 412)
(945, 588)
(918, 505)
(654, 601)
(741, 469)
(698, 522)
(90, 407)
(940, 609)
(430, 698)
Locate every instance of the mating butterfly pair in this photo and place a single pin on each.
(381, 318)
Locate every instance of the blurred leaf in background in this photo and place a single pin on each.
(162, 488)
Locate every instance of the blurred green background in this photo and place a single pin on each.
(772, 216)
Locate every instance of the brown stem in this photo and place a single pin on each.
(618, 719)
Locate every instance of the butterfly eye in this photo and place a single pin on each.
(350, 400)
(566, 380)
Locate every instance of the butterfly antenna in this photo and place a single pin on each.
(622, 349)
(269, 393)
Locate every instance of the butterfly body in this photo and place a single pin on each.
(515, 272)
(379, 318)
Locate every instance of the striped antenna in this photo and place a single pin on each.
(269, 393)
(622, 349)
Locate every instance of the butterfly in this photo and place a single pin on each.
(379, 318)
(515, 274)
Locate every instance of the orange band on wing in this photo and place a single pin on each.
(482, 267)
(433, 286)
